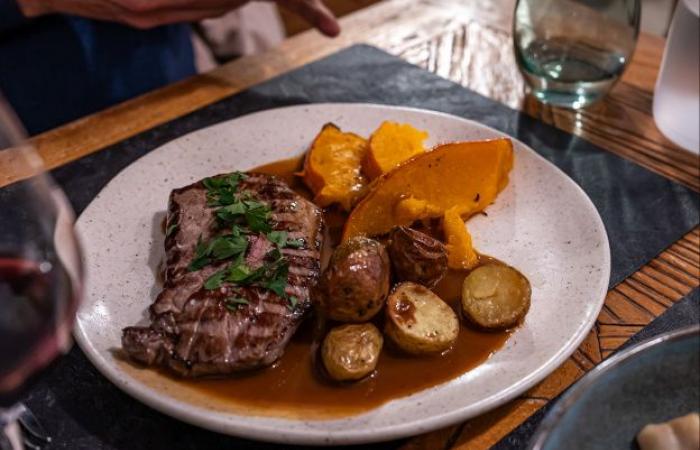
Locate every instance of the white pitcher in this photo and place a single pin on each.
(677, 93)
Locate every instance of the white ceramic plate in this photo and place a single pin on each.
(542, 223)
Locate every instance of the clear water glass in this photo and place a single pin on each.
(571, 52)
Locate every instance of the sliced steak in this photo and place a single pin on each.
(193, 331)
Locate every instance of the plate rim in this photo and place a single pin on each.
(573, 395)
(225, 422)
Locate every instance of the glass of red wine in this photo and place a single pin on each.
(40, 272)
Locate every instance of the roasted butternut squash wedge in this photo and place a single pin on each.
(390, 145)
(460, 252)
(464, 176)
(332, 168)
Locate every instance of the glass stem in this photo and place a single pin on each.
(10, 432)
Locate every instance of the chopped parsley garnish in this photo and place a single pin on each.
(233, 303)
(201, 257)
(224, 247)
(242, 214)
(258, 216)
(221, 191)
(295, 243)
(215, 280)
(280, 238)
(171, 229)
(277, 237)
(219, 248)
(278, 282)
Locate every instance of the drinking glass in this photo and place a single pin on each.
(40, 274)
(571, 52)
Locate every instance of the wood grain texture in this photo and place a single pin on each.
(470, 43)
(392, 25)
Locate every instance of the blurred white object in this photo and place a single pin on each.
(252, 28)
(677, 94)
(681, 433)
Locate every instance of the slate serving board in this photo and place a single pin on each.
(643, 213)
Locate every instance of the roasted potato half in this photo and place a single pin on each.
(356, 282)
(495, 297)
(418, 321)
(351, 352)
(417, 257)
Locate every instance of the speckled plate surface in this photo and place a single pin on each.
(542, 223)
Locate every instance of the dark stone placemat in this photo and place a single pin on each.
(642, 211)
(684, 313)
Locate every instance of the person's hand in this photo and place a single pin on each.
(152, 13)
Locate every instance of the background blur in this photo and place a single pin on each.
(656, 14)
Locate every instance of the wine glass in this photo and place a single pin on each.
(40, 273)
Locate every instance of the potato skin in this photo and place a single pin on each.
(355, 284)
(351, 352)
(495, 297)
(418, 321)
(417, 257)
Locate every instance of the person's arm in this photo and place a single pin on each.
(10, 15)
(152, 13)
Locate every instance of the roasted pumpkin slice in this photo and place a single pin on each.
(460, 251)
(332, 168)
(464, 176)
(390, 145)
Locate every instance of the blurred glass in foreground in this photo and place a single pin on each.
(40, 275)
(571, 52)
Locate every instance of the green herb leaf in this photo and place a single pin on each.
(224, 247)
(293, 301)
(232, 212)
(221, 190)
(274, 254)
(242, 273)
(233, 303)
(257, 216)
(278, 282)
(236, 230)
(171, 229)
(295, 243)
(214, 281)
(201, 256)
(213, 184)
(278, 237)
(281, 239)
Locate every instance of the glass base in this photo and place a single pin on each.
(566, 99)
(568, 95)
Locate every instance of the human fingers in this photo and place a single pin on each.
(316, 13)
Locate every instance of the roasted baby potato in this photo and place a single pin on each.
(417, 257)
(351, 352)
(355, 284)
(495, 296)
(418, 321)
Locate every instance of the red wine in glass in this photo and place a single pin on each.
(37, 304)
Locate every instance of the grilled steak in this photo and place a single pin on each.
(194, 331)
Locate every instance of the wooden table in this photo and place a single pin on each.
(468, 42)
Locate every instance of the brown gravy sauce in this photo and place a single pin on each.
(294, 387)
